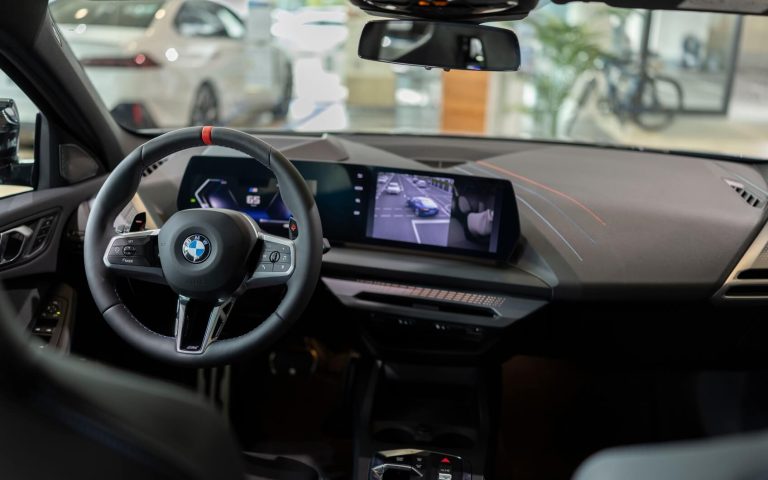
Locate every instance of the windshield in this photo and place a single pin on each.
(590, 73)
(118, 14)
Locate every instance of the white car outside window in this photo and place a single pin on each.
(171, 63)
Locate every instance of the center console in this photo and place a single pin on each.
(424, 408)
(424, 422)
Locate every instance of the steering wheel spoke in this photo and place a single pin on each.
(276, 262)
(134, 255)
(199, 323)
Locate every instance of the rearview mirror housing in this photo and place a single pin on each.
(450, 46)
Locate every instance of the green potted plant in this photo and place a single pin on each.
(565, 51)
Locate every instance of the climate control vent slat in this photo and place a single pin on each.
(754, 274)
(747, 291)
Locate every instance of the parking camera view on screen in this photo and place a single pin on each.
(412, 208)
(428, 210)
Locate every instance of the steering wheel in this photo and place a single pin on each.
(209, 257)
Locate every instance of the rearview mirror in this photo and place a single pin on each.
(449, 46)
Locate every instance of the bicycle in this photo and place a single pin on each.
(649, 100)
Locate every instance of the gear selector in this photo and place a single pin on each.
(412, 464)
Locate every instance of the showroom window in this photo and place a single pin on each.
(206, 19)
(17, 129)
(590, 73)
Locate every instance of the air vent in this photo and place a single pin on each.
(747, 291)
(748, 281)
(754, 274)
(749, 195)
(150, 169)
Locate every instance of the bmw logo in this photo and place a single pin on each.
(196, 248)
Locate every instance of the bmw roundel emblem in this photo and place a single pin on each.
(196, 248)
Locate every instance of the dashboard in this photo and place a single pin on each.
(570, 222)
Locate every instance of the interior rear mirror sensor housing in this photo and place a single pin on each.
(472, 11)
(450, 46)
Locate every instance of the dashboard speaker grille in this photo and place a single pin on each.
(761, 262)
(150, 169)
(749, 195)
(438, 294)
(411, 302)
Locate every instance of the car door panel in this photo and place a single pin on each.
(28, 210)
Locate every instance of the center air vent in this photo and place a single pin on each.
(748, 194)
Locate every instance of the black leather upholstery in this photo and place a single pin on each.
(65, 418)
(261, 466)
(734, 457)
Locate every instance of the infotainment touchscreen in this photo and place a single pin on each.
(423, 210)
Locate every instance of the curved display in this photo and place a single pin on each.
(425, 210)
